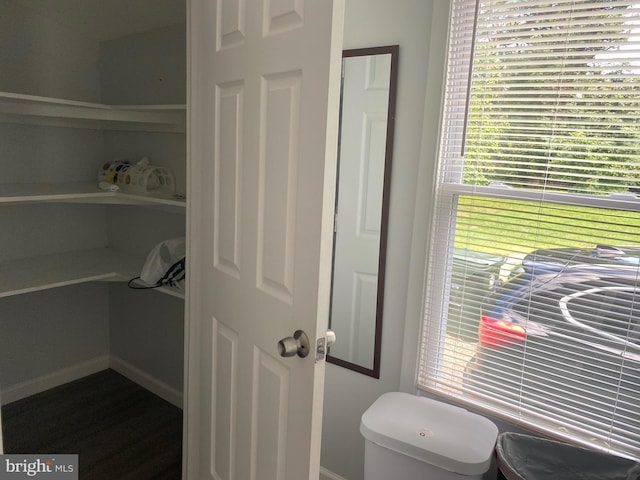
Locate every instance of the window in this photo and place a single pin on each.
(533, 279)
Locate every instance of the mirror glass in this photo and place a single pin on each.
(362, 199)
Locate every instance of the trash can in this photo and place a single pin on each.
(525, 457)
(473, 277)
(411, 437)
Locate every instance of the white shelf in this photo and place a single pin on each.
(83, 192)
(57, 270)
(69, 268)
(31, 109)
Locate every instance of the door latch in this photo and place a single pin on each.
(323, 344)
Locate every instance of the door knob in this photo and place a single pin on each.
(296, 345)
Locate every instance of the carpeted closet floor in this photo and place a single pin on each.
(118, 429)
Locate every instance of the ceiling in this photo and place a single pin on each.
(109, 19)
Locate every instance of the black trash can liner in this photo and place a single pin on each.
(525, 457)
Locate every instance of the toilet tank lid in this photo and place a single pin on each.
(434, 432)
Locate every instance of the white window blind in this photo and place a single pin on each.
(533, 282)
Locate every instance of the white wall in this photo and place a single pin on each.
(371, 23)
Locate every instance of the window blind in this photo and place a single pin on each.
(532, 304)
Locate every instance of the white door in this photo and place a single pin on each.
(264, 90)
(359, 206)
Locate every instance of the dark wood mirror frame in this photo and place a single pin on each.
(393, 50)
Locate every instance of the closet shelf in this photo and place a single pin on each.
(83, 192)
(69, 268)
(31, 109)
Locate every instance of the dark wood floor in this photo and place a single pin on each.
(118, 429)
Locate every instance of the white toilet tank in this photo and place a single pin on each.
(415, 438)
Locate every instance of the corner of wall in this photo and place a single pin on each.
(423, 201)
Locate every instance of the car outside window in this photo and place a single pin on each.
(613, 311)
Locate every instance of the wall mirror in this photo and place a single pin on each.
(367, 112)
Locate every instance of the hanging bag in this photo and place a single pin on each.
(164, 266)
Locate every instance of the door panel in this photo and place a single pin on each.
(225, 346)
(264, 90)
(227, 178)
(278, 165)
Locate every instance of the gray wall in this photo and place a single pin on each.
(145, 68)
(34, 154)
(371, 23)
(39, 57)
(146, 327)
(147, 330)
(50, 330)
(46, 331)
(422, 28)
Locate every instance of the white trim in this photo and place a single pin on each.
(326, 474)
(192, 422)
(25, 389)
(145, 380)
(618, 201)
(60, 112)
(32, 274)
(45, 382)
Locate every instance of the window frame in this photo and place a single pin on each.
(448, 186)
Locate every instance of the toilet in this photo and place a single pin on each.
(408, 437)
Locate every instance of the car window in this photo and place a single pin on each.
(607, 310)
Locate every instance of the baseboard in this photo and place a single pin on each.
(326, 474)
(25, 389)
(60, 377)
(145, 380)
